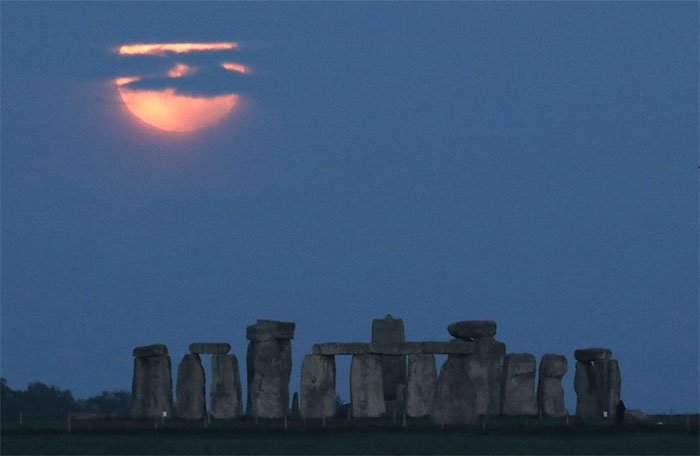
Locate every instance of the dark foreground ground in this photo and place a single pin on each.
(525, 436)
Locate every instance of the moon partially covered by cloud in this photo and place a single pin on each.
(154, 98)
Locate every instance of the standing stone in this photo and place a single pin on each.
(422, 383)
(269, 366)
(455, 398)
(225, 392)
(597, 383)
(550, 394)
(152, 386)
(191, 400)
(317, 398)
(366, 390)
(385, 331)
(295, 406)
(519, 384)
(496, 355)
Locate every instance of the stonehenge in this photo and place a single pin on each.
(388, 376)
(152, 384)
(597, 383)
(550, 394)
(269, 366)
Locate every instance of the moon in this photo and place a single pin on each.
(169, 111)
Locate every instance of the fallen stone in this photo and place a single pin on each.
(406, 348)
(386, 331)
(150, 350)
(317, 392)
(269, 371)
(265, 330)
(592, 354)
(550, 394)
(210, 348)
(519, 385)
(225, 392)
(472, 329)
(191, 400)
(366, 389)
(636, 417)
(152, 387)
(422, 384)
(455, 398)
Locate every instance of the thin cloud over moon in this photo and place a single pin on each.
(158, 98)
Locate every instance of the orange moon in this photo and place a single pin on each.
(169, 111)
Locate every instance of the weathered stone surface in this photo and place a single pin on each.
(496, 355)
(550, 394)
(265, 330)
(269, 369)
(592, 354)
(455, 398)
(150, 350)
(210, 348)
(422, 384)
(519, 384)
(366, 389)
(485, 368)
(191, 401)
(597, 384)
(407, 348)
(385, 331)
(152, 387)
(472, 329)
(225, 392)
(317, 392)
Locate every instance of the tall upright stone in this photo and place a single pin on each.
(422, 384)
(269, 366)
(225, 391)
(366, 388)
(455, 397)
(191, 399)
(485, 367)
(151, 386)
(519, 384)
(385, 331)
(550, 394)
(317, 398)
(597, 383)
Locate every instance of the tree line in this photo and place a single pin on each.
(44, 401)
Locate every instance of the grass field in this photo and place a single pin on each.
(338, 437)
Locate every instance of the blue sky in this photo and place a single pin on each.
(531, 163)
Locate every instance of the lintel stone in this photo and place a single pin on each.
(210, 348)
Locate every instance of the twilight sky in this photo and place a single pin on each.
(531, 163)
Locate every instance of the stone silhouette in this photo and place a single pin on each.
(152, 387)
(317, 398)
(269, 366)
(210, 348)
(455, 397)
(225, 391)
(366, 387)
(422, 384)
(190, 395)
(550, 394)
(390, 330)
(597, 383)
(519, 384)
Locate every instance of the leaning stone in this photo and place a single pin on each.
(317, 398)
(519, 385)
(390, 330)
(151, 350)
(225, 392)
(210, 348)
(269, 371)
(366, 390)
(592, 354)
(152, 387)
(191, 400)
(472, 329)
(550, 394)
(422, 383)
(265, 330)
(455, 398)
